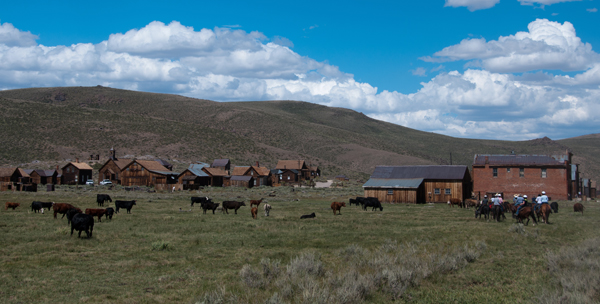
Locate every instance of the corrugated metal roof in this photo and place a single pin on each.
(196, 169)
(408, 183)
(519, 160)
(426, 172)
(164, 172)
(243, 178)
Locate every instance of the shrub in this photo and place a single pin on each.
(161, 245)
(517, 228)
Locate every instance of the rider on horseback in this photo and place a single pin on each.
(498, 201)
(520, 203)
(541, 199)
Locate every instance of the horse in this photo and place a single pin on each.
(524, 213)
(483, 209)
(544, 211)
(497, 212)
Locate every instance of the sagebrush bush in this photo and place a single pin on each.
(517, 228)
(161, 245)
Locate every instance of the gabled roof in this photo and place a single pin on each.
(163, 162)
(262, 171)
(314, 168)
(239, 170)
(291, 164)
(22, 172)
(80, 166)
(196, 169)
(152, 165)
(222, 162)
(425, 172)
(408, 183)
(122, 163)
(215, 171)
(47, 173)
(243, 178)
(29, 171)
(7, 171)
(519, 160)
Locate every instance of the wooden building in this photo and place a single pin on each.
(302, 171)
(418, 184)
(223, 164)
(147, 173)
(314, 171)
(165, 164)
(112, 170)
(341, 177)
(217, 176)
(47, 176)
(261, 175)
(34, 176)
(241, 181)
(76, 171)
(194, 177)
(512, 174)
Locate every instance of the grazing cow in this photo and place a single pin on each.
(353, 201)
(109, 213)
(337, 207)
(96, 212)
(312, 215)
(232, 205)
(82, 222)
(11, 205)
(471, 203)
(454, 201)
(199, 200)
(578, 207)
(101, 198)
(483, 209)
(372, 202)
(70, 213)
(256, 202)
(254, 211)
(36, 207)
(361, 200)
(47, 205)
(267, 209)
(125, 205)
(209, 205)
(554, 207)
(62, 208)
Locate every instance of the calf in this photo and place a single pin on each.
(125, 205)
(62, 208)
(578, 207)
(101, 198)
(312, 215)
(256, 202)
(11, 205)
(71, 213)
(267, 209)
(209, 205)
(337, 207)
(199, 200)
(96, 212)
(554, 207)
(82, 222)
(232, 205)
(372, 202)
(254, 211)
(109, 213)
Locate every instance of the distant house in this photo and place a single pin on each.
(511, 174)
(14, 175)
(194, 176)
(298, 168)
(112, 170)
(43, 177)
(217, 176)
(341, 177)
(260, 175)
(314, 171)
(223, 164)
(147, 173)
(418, 184)
(76, 173)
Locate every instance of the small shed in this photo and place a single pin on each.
(341, 177)
(241, 181)
(194, 175)
(76, 171)
(217, 176)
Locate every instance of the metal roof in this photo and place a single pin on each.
(196, 169)
(220, 162)
(425, 172)
(164, 172)
(519, 160)
(410, 183)
(243, 178)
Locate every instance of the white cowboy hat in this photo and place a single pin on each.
(525, 195)
(543, 192)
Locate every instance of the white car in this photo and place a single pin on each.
(105, 182)
(89, 182)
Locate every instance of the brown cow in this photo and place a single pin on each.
(337, 206)
(578, 207)
(254, 211)
(11, 205)
(454, 201)
(256, 202)
(96, 212)
(62, 208)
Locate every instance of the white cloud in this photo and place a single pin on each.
(224, 64)
(11, 36)
(542, 3)
(420, 71)
(472, 5)
(547, 45)
(592, 10)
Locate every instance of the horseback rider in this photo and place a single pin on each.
(520, 203)
(498, 201)
(485, 201)
(541, 199)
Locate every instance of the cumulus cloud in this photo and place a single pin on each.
(11, 36)
(472, 5)
(592, 10)
(547, 45)
(226, 65)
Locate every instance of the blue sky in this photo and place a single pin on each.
(497, 69)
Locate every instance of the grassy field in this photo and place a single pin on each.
(405, 254)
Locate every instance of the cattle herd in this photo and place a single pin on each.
(84, 221)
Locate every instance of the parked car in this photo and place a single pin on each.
(89, 182)
(106, 182)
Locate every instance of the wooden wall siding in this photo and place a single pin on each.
(202, 181)
(456, 190)
(407, 196)
(105, 174)
(288, 177)
(69, 173)
(35, 178)
(138, 176)
(241, 184)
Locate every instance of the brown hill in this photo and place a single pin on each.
(55, 124)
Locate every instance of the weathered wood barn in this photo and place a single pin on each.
(418, 184)
(217, 176)
(76, 172)
(194, 177)
(147, 173)
(512, 174)
(13, 178)
(113, 169)
(302, 171)
(260, 175)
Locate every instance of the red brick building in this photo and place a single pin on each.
(523, 174)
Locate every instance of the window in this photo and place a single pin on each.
(280, 176)
(288, 177)
(508, 170)
(252, 173)
(390, 192)
(436, 191)
(495, 172)
(448, 192)
(254, 182)
(521, 172)
(544, 173)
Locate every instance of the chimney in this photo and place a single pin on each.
(487, 161)
(77, 159)
(257, 164)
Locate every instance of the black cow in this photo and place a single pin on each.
(109, 213)
(71, 213)
(483, 209)
(232, 205)
(36, 207)
(209, 205)
(125, 205)
(361, 200)
(312, 215)
(101, 198)
(82, 222)
(353, 201)
(47, 205)
(372, 202)
(554, 207)
(199, 200)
